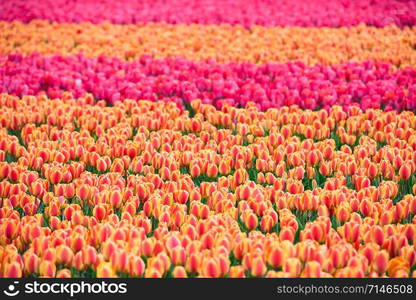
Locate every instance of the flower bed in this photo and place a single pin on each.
(369, 85)
(310, 13)
(145, 189)
(222, 43)
(208, 138)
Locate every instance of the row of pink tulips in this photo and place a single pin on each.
(368, 84)
(317, 13)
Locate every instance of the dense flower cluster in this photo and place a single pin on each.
(318, 13)
(223, 43)
(369, 85)
(209, 138)
(143, 188)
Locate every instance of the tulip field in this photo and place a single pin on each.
(209, 138)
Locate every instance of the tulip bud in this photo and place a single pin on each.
(179, 272)
(178, 255)
(137, 267)
(405, 172)
(251, 221)
(258, 267)
(380, 261)
(237, 272)
(101, 165)
(212, 170)
(211, 268)
(63, 273)
(105, 270)
(99, 212)
(31, 263)
(47, 269)
(292, 266)
(276, 257)
(12, 270)
(398, 264)
(64, 255)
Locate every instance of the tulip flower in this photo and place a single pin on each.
(380, 261)
(276, 257)
(211, 268)
(258, 267)
(292, 266)
(292, 198)
(47, 269)
(63, 273)
(137, 267)
(105, 270)
(179, 272)
(12, 270)
(396, 265)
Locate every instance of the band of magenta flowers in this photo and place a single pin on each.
(311, 13)
(368, 84)
(145, 189)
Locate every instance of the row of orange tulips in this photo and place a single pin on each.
(145, 189)
(224, 43)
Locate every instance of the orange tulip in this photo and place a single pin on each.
(47, 269)
(258, 267)
(276, 257)
(179, 272)
(292, 266)
(380, 261)
(105, 270)
(398, 264)
(136, 267)
(211, 268)
(236, 272)
(405, 172)
(12, 270)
